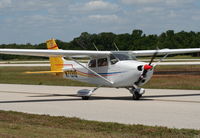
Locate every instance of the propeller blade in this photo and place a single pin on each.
(153, 57)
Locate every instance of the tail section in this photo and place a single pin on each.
(51, 44)
(56, 62)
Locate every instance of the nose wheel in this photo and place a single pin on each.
(85, 97)
(136, 96)
(137, 93)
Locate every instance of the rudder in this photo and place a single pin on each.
(56, 62)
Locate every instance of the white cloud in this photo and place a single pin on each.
(172, 14)
(158, 12)
(95, 5)
(167, 2)
(177, 2)
(31, 22)
(196, 18)
(150, 10)
(4, 3)
(104, 18)
(35, 5)
(139, 1)
(38, 21)
(195, 15)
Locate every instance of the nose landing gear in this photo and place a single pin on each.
(137, 92)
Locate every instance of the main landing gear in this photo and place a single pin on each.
(85, 93)
(137, 92)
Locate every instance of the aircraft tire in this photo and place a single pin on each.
(136, 96)
(85, 97)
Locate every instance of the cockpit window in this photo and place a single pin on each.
(113, 59)
(124, 56)
(92, 63)
(102, 62)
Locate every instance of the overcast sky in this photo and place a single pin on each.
(34, 21)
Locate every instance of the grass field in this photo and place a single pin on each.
(176, 80)
(21, 125)
(16, 75)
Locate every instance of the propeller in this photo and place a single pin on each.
(149, 66)
(146, 68)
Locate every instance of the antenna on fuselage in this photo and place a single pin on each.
(95, 46)
(116, 46)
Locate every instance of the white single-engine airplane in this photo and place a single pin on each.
(118, 69)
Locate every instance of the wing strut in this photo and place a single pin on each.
(161, 59)
(108, 81)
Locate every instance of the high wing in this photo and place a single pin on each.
(83, 53)
(52, 53)
(165, 51)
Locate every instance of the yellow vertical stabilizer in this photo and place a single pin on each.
(56, 62)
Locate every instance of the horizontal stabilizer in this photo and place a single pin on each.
(44, 72)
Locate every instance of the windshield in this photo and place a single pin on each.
(124, 56)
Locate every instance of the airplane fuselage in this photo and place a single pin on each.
(122, 74)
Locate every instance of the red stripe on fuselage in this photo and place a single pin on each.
(81, 71)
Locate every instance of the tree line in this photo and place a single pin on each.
(137, 40)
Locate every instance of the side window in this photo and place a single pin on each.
(102, 62)
(113, 60)
(92, 63)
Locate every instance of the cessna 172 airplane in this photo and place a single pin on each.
(118, 69)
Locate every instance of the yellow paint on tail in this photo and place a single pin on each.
(56, 62)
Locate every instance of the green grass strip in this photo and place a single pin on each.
(15, 124)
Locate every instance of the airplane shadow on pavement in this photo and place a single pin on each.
(76, 98)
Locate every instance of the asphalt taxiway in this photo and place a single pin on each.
(158, 107)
